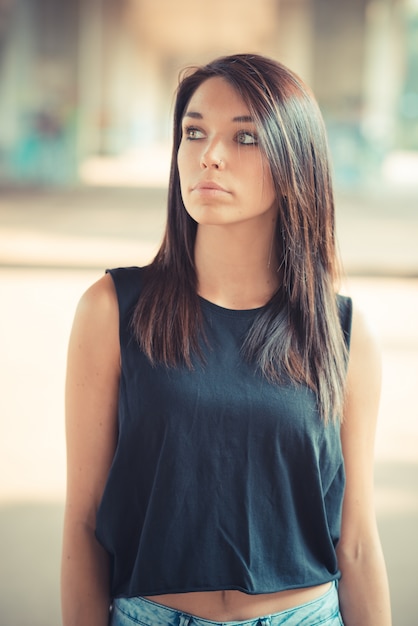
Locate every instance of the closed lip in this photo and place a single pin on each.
(209, 185)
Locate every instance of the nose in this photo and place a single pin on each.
(211, 157)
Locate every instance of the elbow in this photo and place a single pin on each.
(350, 552)
(359, 552)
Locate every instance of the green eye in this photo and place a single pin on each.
(246, 137)
(192, 133)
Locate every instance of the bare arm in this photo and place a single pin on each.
(91, 431)
(363, 589)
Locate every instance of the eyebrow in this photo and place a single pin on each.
(239, 118)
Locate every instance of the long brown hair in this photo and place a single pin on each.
(298, 333)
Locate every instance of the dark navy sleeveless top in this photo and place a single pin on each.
(220, 480)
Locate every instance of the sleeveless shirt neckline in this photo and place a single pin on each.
(236, 313)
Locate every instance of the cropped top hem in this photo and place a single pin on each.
(212, 589)
(221, 479)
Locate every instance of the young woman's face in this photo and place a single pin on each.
(224, 176)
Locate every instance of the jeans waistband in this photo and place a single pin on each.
(131, 611)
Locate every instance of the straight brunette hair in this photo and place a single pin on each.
(298, 334)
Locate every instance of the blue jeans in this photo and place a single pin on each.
(323, 611)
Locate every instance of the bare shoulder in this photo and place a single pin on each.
(91, 395)
(94, 352)
(99, 300)
(363, 385)
(364, 335)
(97, 316)
(365, 354)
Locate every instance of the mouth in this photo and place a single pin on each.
(208, 186)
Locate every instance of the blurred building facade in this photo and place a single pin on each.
(90, 83)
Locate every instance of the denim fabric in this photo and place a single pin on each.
(323, 611)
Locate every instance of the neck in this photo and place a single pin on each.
(236, 267)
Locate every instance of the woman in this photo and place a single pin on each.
(221, 402)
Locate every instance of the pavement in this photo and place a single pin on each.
(53, 245)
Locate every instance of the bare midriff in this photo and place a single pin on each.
(221, 606)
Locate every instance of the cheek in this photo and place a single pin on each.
(180, 158)
(182, 165)
(266, 181)
(269, 189)
(267, 175)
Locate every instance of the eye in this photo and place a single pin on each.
(247, 138)
(192, 133)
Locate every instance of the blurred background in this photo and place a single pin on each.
(86, 86)
(86, 96)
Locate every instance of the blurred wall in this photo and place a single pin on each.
(38, 90)
(87, 86)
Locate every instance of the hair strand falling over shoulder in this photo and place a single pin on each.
(298, 334)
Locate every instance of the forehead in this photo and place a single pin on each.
(217, 95)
